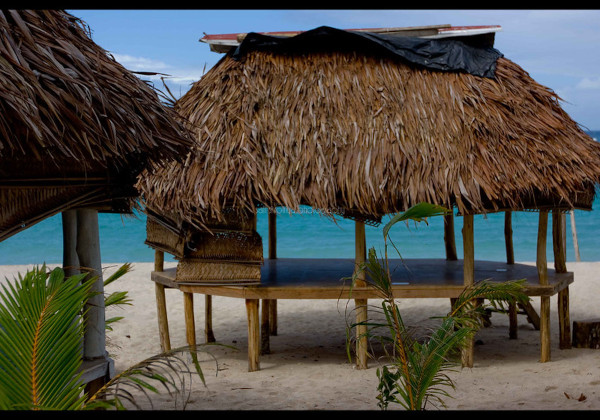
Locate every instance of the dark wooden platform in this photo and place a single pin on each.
(300, 278)
(325, 278)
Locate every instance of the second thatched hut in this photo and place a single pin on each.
(364, 123)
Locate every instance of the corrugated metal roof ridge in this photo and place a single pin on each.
(440, 28)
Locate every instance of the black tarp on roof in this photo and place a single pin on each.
(444, 54)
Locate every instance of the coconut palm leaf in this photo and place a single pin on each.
(416, 374)
(169, 371)
(40, 340)
(417, 213)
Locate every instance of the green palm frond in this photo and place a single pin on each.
(417, 213)
(40, 340)
(416, 373)
(467, 312)
(117, 298)
(169, 371)
(41, 333)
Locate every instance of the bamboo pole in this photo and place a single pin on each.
(542, 268)
(360, 304)
(512, 320)
(190, 325)
(574, 233)
(209, 335)
(272, 256)
(265, 345)
(69, 228)
(508, 239)
(161, 304)
(558, 243)
(449, 239)
(253, 335)
(88, 252)
(541, 260)
(272, 234)
(560, 266)
(510, 259)
(468, 277)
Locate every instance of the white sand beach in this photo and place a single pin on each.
(308, 368)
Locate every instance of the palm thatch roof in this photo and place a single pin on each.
(365, 134)
(76, 127)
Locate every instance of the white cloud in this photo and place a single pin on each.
(171, 74)
(589, 83)
(141, 63)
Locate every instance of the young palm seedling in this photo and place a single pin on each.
(416, 374)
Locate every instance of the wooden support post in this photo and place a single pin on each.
(586, 334)
(558, 243)
(265, 345)
(161, 304)
(512, 321)
(532, 315)
(70, 258)
(541, 260)
(272, 235)
(574, 233)
(190, 325)
(253, 335)
(449, 239)
(88, 252)
(508, 232)
(209, 335)
(564, 319)
(159, 260)
(360, 304)
(272, 256)
(161, 312)
(560, 266)
(468, 278)
(545, 352)
(542, 269)
(273, 317)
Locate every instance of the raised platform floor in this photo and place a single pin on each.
(300, 278)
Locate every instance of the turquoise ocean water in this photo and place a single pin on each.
(309, 235)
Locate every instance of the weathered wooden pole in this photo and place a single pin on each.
(88, 254)
(161, 304)
(69, 228)
(468, 277)
(542, 269)
(508, 233)
(574, 233)
(560, 266)
(449, 239)
(360, 304)
(510, 259)
(209, 335)
(272, 256)
(254, 345)
(190, 323)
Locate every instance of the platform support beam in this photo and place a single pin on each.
(560, 266)
(468, 278)
(542, 268)
(449, 238)
(161, 305)
(360, 304)
(253, 335)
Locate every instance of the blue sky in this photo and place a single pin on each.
(558, 48)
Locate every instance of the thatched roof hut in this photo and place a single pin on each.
(352, 129)
(76, 127)
(363, 124)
